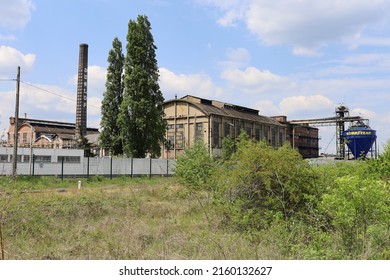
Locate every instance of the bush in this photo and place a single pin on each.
(196, 166)
(381, 166)
(358, 209)
(263, 183)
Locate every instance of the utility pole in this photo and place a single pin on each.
(15, 154)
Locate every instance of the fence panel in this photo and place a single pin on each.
(141, 166)
(105, 166)
(43, 168)
(172, 166)
(121, 166)
(5, 168)
(160, 166)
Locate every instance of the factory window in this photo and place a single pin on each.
(25, 138)
(42, 158)
(199, 131)
(69, 159)
(249, 131)
(215, 134)
(179, 136)
(257, 133)
(238, 128)
(273, 141)
(280, 138)
(19, 158)
(226, 129)
(266, 134)
(171, 136)
(3, 158)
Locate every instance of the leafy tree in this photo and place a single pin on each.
(141, 114)
(84, 144)
(110, 136)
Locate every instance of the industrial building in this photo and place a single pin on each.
(191, 118)
(45, 134)
(303, 137)
(39, 133)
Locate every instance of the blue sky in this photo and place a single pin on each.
(286, 57)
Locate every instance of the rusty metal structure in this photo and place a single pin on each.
(339, 120)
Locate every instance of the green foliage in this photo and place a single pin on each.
(228, 147)
(84, 144)
(141, 113)
(381, 166)
(355, 207)
(265, 182)
(196, 166)
(112, 99)
(279, 201)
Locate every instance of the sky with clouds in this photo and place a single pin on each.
(287, 57)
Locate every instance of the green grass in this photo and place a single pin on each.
(147, 218)
(123, 218)
(36, 183)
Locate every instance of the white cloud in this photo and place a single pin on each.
(299, 105)
(96, 80)
(54, 103)
(184, 84)
(236, 58)
(253, 80)
(15, 13)
(11, 58)
(304, 24)
(312, 103)
(364, 113)
(239, 54)
(250, 77)
(94, 105)
(51, 98)
(97, 76)
(267, 108)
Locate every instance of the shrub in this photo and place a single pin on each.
(263, 183)
(227, 148)
(358, 209)
(381, 166)
(196, 166)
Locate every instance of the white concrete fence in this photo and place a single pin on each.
(61, 162)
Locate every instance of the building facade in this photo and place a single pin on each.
(191, 118)
(302, 137)
(44, 133)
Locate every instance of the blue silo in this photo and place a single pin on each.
(359, 139)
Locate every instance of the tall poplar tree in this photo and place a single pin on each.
(141, 116)
(110, 136)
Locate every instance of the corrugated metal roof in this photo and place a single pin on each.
(54, 127)
(227, 111)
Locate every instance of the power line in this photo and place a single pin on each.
(7, 80)
(56, 94)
